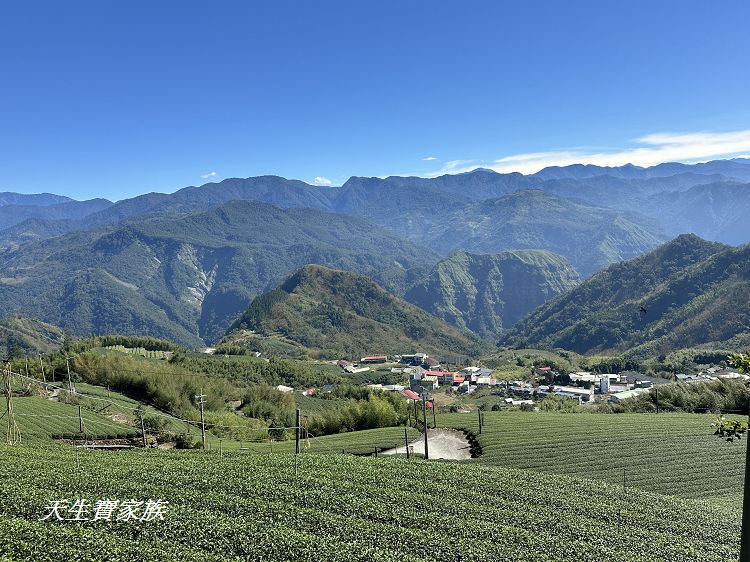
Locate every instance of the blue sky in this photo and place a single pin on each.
(113, 99)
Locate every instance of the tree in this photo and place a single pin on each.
(731, 430)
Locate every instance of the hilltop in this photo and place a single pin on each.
(341, 314)
(487, 293)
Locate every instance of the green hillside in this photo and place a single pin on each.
(339, 314)
(673, 454)
(188, 277)
(487, 293)
(342, 508)
(693, 293)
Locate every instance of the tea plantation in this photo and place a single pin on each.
(675, 454)
(240, 506)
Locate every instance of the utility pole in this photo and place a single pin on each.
(424, 419)
(201, 398)
(296, 434)
(480, 421)
(41, 364)
(406, 441)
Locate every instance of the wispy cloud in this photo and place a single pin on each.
(429, 158)
(648, 150)
(456, 167)
(209, 175)
(320, 180)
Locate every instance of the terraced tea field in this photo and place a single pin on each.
(341, 508)
(675, 454)
(39, 420)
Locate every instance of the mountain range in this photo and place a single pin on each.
(187, 277)
(185, 265)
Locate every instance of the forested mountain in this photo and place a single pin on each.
(487, 293)
(338, 314)
(187, 277)
(687, 292)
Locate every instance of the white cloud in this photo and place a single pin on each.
(429, 158)
(649, 150)
(209, 175)
(320, 180)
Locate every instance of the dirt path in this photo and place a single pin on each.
(442, 444)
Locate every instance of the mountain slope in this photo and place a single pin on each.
(187, 277)
(340, 314)
(693, 292)
(20, 335)
(486, 293)
(589, 237)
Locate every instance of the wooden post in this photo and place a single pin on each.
(201, 401)
(296, 434)
(80, 420)
(41, 364)
(143, 431)
(406, 441)
(745, 533)
(67, 364)
(424, 419)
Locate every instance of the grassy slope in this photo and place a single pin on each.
(336, 508)
(674, 454)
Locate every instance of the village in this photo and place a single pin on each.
(424, 375)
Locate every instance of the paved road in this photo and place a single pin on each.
(442, 444)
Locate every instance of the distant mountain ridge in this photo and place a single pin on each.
(488, 293)
(336, 314)
(411, 206)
